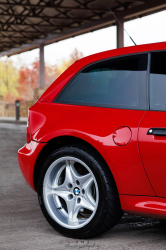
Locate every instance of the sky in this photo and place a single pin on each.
(149, 29)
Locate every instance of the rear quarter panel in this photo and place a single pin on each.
(96, 126)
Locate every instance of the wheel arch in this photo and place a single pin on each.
(58, 142)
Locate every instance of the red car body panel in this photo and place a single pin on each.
(153, 150)
(27, 157)
(144, 206)
(135, 170)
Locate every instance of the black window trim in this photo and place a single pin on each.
(149, 62)
(148, 79)
(113, 107)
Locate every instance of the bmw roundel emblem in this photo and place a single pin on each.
(76, 191)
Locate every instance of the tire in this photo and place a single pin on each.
(77, 193)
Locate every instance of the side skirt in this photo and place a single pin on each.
(145, 206)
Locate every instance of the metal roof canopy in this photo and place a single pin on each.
(25, 24)
(30, 24)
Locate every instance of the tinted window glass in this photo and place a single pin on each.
(158, 81)
(119, 82)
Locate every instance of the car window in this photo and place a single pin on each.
(119, 82)
(158, 81)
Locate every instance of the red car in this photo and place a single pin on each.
(96, 141)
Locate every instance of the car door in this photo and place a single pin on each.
(152, 130)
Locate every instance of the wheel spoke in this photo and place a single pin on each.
(84, 178)
(68, 175)
(72, 175)
(61, 191)
(72, 210)
(88, 191)
(70, 172)
(49, 189)
(86, 203)
(88, 183)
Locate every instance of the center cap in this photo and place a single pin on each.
(76, 191)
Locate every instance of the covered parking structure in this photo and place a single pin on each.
(29, 24)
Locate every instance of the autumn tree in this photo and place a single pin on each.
(28, 80)
(75, 55)
(8, 80)
(51, 74)
(28, 76)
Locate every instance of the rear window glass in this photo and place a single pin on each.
(119, 82)
(158, 81)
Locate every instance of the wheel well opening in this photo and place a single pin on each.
(56, 143)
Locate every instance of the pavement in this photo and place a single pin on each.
(22, 120)
(23, 227)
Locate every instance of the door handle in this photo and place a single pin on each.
(157, 131)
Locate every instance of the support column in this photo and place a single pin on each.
(41, 67)
(120, 35)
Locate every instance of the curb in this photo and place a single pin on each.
(14, 122)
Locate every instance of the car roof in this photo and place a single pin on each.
(61, 81)
(125, 51)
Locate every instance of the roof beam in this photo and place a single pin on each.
(16, 37)
(49, 17)
(35, 25)
(11, 42)
(105, 22)
(28, 31)
(143, 10)
(55, 6)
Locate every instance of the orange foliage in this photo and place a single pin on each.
(28, 81)
(28, 76)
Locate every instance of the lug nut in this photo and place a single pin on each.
(70, 196)
(69, 185)
(78, 200)
(77, 182)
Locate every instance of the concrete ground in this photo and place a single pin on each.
(22, 120)
(22, 225)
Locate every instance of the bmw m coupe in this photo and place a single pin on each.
(96, 141)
